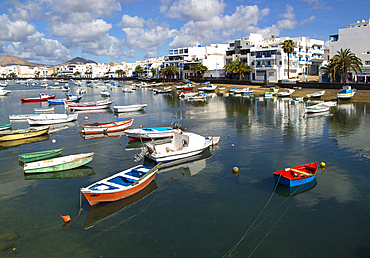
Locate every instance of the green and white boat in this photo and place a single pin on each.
(58, 164)
(40, 155)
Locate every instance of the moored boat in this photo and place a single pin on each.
(23, 133)
(285, 93)
(42, 97)
(120, 185)
(90, 105)
(70, 99)
(297, 175)
(208, 86)
(34, 156)
(105, 93)
(321, 107)
(5, 126)
(58, 164)
(272, 91)
(22, 116)
(106, 127)
(318, 94)
(346, 93)
(47, 119)
(150, 133)
(129, 108)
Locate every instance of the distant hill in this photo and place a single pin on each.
(14, 60)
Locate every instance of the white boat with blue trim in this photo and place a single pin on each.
(346, 93)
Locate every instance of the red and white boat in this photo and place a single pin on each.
(42, 97)
(90, 105)
(106, 127)
(120, 185)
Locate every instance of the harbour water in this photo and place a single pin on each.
(197, 208)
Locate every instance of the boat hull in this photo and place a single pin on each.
(129, 108)
(35, 156)
(90, 107)
(296, 176)
(37, 99)
(52, 119)
(176, 155)
(106, 127)
(293, 183)
(22, 134)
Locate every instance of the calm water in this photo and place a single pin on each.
(197, 208)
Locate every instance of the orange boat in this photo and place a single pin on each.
(106, 127)
(120, 185)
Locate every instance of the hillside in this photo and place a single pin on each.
(14, 60)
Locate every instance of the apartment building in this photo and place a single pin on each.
(356, 37)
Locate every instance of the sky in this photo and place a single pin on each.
(55, 31)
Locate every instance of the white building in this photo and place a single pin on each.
(357, 39)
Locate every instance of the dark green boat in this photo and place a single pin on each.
(35, 156)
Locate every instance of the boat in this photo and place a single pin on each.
(5, 126)
(106, 127)
(105, 93)
(23, 133)
(35, 156)
(104, 210)
(286, 191)
(183, 145)
(44, 110)
(184, 94)
(185, 87)
(272, 91)
(121, 185)
(82, 171)
(127, 90)
(150, 133)
(163, 91)
(47, 119)
(42, 97)
(321, 107)
(5, 92)
(346, 93)
(80, 91)
(244, 91)
(208, 87)
(22, 116)
(70, 99)
(286, 93)
(129, 108)
(90, 105)
(197, 97)
(318, 94)
(58, 164)
(138, 145)
(295, 176)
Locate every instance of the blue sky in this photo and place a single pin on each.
(55, 31)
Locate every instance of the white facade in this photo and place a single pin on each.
(357, 39)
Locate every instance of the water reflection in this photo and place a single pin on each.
(15, 143)
(66, 174)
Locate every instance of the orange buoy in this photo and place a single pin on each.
(66, 218)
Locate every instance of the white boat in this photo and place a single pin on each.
(184, 145)
(44, 110)
(47, 119)
(321, 107)
(127, 90)
(244, 91)
(346, 93)
(129, 108)
(197, 97)
(187, 94)
(5, 92)
(105, 93)
(22, 116)
(316, 94)
(141, 84)
(272, 91)
(151, 133)
(90, 105)
(285, 93)
(208, 87)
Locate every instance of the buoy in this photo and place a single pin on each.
(235, 170)
(141, 126)
(228, 135)
(53, 141)
(66, 218)
(232, 145)
(86, 118)
(322, 165)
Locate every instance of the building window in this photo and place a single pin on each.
(367, 62)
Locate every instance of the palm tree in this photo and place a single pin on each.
(120, 72)
(288, 48)
(345, 61)
(199, 68)
(139, 70)
(237, 67)
(170, 70)
(153, 71)
(77, 73)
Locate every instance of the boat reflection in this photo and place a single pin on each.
(101, 211)
(187, 167)
(137, 144)
(14, 143)
(286, 191)
(107, 110)
(326, 113)
(57, 127)
(130, 114)
(66, 174)
(102, 135)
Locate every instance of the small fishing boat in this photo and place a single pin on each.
(186, 94)
(120, 185)
(127, 90)
(321, 107)
(129, 108)
(185, 87)
(208, 86)
(58, 164)
(82, 171)
(70, 99)
(244, 91)
(42, 97)
(44, 110)
(346, 93)
(22, 116)
(90, 105)
(5, 126)
(197, 97)
(5, 92)
(184, 145)
(297, 175)
(285, 93)
(165, 90)
(35, 156)
(23, 133)
(272, 91)
(47, 119)
(231, 89)
(151, 133)
(106, 127)
(318, 94)
(105, 93)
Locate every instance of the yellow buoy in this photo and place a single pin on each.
(322, 164)
(235, 170)
(232, 145)
(141, 126)
(86, 118)
(53, 141)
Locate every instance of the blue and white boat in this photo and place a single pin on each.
(22, 117)
(70, 99)
(150, 133)
(346, 93)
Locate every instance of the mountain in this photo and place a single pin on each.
(14, 60)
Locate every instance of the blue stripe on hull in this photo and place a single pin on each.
(293, 183)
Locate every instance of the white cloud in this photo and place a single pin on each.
(131, 22)
(195, 10)
(14, 31)
(311, 19)
(289, 21)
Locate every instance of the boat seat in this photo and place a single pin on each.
(102, 187)
(119, 180)
(131, 177)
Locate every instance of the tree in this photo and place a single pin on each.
(288, 48)
(153, 71)
(170, 71)
(237, 67)
(120, 73)
(77, 73)
(139, 70)
(199, 68)
(345, 61)
(37, 74)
